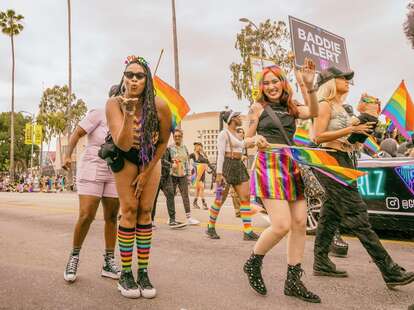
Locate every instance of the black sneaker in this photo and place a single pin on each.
(127, 285)
(71, 268)
(204, 203)
(211, 233)
(176, 224)
(251, 236)
(195, 205)
(144, 283)
(110, 268)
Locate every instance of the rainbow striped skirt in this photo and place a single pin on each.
(276, 176)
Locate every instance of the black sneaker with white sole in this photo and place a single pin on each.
(71, 268)
(173, 224)
(127, 285)
(144, 283)
(110, 269)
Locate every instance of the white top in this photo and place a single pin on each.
(223, 146)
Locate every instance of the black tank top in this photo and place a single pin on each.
(268, 129)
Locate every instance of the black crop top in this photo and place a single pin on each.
(268, 129)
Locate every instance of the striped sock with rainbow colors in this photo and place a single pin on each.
(126, 238)
(246, 216)
(143, 237)
(213, 213)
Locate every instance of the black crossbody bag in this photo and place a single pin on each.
(314, 191)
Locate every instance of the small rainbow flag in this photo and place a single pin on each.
(302, 137)
(310, 157)
(198, 172)
(372, 145)
(177, 104)
(400, 109)
(324, 162)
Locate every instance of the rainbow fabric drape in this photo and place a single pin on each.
(302, 137)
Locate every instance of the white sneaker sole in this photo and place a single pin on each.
(129, 293)
(69, 278)
(111, 275)
(193, 223)
(149, 294)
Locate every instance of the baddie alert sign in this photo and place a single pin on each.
(323, 47)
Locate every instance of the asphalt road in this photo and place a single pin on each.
(189, 271)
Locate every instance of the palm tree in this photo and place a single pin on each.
(10, 24)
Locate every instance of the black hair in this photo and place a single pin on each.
(150, 124)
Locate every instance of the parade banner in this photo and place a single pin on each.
(257, 64)
(323, 47)
(38, 131)
(28, 134)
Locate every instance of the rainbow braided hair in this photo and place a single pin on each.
(149, 119)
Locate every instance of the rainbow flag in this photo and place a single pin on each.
(198, 172)
(325, 163)
(400, 109)
(177, 104)
(302, 137)
(372, 145)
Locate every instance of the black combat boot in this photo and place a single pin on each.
(253, 270)
(339, 247)
(295, 287)
(393, 274)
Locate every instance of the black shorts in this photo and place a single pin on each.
(132, 156)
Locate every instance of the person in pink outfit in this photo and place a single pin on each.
(95, 184)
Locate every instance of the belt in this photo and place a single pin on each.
(233, 155)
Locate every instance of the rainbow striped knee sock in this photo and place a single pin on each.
(143, 237)
(213, 213)
(246, 216)
(126, 238)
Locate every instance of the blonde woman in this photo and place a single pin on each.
(344, 204)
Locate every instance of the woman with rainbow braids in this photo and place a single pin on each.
(231, 167)
(139, 125)
(276, 178)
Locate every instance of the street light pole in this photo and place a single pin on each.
(176, 68)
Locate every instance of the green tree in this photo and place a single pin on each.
(22, 151)
(10, 25)
(60, 112)
(269, 40)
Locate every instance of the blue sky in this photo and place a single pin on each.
(105, 32)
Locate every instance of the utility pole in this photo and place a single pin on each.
(176, 67)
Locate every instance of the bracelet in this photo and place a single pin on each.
(311, 91)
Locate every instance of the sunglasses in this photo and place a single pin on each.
(139, 75)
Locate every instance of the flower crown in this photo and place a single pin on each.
(138, 59)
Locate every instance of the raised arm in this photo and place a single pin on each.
(306, 78)
(120, 124)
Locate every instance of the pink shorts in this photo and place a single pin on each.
(96, 188)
